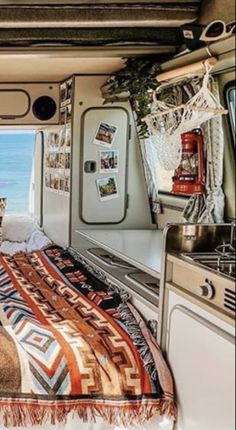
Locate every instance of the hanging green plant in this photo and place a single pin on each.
(138, 79)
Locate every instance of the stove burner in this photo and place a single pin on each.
(222, 260)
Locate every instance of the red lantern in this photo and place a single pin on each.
(189, 177)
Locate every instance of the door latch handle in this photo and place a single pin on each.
(90, 166)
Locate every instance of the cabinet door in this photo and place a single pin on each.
(202, 359)
(104, 166)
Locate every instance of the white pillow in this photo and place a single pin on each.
(37, 241)
(18, 228)
(12, 248)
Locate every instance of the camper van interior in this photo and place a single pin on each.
(117, 215)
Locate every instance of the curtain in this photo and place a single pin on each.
(209, 208)
(149, 156)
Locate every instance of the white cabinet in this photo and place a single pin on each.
(201, 353)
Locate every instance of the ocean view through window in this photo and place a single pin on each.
(16, 154)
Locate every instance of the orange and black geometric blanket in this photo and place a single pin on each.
(68, 344)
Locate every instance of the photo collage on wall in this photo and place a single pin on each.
(58, 147)
(108, 161)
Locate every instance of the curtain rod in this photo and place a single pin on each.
(197, 67)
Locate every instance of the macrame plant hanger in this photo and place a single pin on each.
(167, 122)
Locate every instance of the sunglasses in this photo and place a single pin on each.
(217, 30)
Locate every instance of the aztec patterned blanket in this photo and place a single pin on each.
(68, 343)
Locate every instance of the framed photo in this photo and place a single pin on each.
(67, 160)
(62, 137)
(107, 188)
(105, 134)
(61, 184)
(63, 92)
(47, 162)
(55, 140)
(63, 116)
(69, 84)
(67, 185)
(68, 139)
(68, 114)
(109, 161)
(51, 181)
(47, 180)
(60, 160)
(56, 183)
(52, 161)
(49, 141)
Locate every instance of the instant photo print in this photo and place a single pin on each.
(109, 161)
(107, 188)
(105, 134)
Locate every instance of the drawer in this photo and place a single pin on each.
(109, 259)
(144, 280)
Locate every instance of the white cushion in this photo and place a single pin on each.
(37, 241)
(12, 248)
(18, 228)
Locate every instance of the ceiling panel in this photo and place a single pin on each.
(90, 2)
(90, 37)
(99, 15)
(35, 68)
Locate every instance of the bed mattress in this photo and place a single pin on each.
(70, 346)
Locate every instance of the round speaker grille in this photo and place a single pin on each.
(44, 108)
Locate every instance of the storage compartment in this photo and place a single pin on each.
(14, 103)
(201, 352)
(109, 259)
(29, 104)
(144, 280)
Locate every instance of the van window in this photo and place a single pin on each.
(231, 105)
(164, 179)
(16, 154)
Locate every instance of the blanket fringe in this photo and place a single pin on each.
(138, 339)
(28, 415)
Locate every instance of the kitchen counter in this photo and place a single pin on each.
(140, 248)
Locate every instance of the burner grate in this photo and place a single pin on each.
(222, 260)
